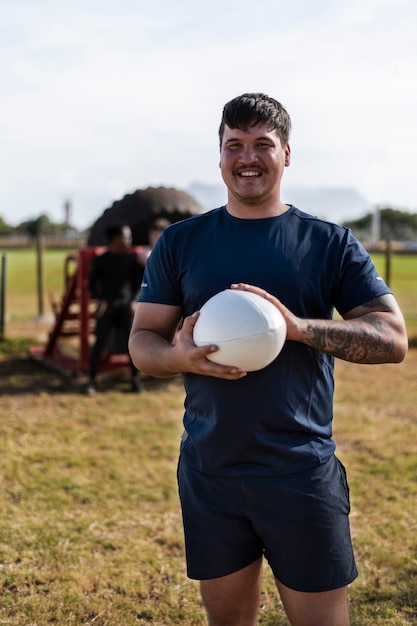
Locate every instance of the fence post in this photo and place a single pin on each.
(40, 275)
(2, 295)
(388, 258)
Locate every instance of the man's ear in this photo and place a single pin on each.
(287, 155)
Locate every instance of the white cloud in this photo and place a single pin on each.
(132, 92)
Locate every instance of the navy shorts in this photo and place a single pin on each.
(299, 522)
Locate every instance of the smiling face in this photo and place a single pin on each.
(252, 164)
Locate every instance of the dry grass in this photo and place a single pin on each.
(376, 429)
(90, 531)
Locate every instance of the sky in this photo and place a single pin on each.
(99, 98)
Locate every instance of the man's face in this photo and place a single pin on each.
(127, 237)
(252, 163)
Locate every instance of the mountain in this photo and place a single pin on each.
(336, 204)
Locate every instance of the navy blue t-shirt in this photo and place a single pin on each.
(277, 420)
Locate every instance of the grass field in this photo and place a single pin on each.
(90, 531)
(22, 298)
(404, 285)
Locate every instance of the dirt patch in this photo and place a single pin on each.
(20, 375)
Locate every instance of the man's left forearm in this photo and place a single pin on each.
(372, 338)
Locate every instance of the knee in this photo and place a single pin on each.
(223, 610)
(233, 617)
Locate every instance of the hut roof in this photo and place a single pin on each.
(140, 208)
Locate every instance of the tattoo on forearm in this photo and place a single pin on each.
(358, 343)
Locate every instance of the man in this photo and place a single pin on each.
(114, 280)
(156, 227)
(257, 472)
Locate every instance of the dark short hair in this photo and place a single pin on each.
(114, 230)
(159, 224)
(251, 109)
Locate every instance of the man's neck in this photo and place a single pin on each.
(117, 249)
(245, 210)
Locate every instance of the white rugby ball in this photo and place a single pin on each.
(249, 330)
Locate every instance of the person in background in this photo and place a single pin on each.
(114, 281)
(156, 227)
(258, 476)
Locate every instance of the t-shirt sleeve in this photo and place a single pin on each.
(136, 276)
(359, 281)
(160, 281)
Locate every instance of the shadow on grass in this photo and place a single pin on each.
(377, 606)
(19, 374)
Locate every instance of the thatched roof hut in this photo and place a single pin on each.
(140, 208)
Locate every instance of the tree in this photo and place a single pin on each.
(41, 225)
(395, 224)
(5, 229)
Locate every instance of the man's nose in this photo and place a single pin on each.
(248, 154)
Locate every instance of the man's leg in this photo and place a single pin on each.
(233, 600)
(101, 332)
(326, 608)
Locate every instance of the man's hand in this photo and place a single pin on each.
(160, 349)
(373, 332)
(192, 358)
(292, 321)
